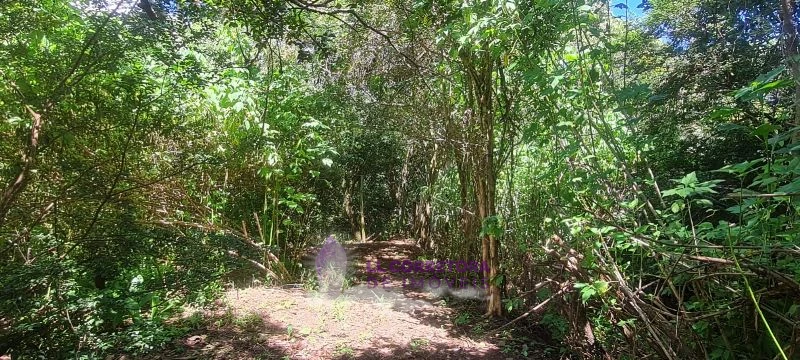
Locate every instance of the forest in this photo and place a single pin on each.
(224, 179)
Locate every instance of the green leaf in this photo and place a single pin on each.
(793, 310)
(492, 226)
(498, 280)
(764, 130)
(601, 286)
(670, 192)
(723, 112)
(657, 97)
(689, 179)
(587, 293)
(790, 188)
(763, 84)
(732, 127)
(740, 168)
(556, 80)
(703, 203)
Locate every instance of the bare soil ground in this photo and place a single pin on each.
(360, 322)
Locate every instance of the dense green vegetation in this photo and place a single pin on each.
(640, 173)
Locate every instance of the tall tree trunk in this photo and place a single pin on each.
(790, 44)
(468, 210)
(400, 193)
(433, 175)
(361, 222)
(479, 81)
(347, 205)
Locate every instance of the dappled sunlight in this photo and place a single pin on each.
(405, 179)
(358, 321)
(305, 325)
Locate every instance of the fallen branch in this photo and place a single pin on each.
(758, 269)
(255, 264)
(744, 196)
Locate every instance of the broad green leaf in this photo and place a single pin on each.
(689, 179)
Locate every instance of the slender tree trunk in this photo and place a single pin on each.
(347, 205)
(400, 194)
(467, 209)
(362, 223)
(16, 187)
(494, 306)
(480, 70)
(790, 43)
(433, 175)
(275, 217)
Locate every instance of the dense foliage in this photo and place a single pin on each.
(639, 173)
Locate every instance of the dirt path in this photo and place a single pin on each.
(361, 322)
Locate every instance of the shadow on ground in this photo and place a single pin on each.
(359, 322)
